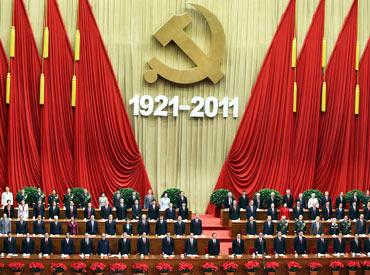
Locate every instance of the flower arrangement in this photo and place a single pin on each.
(252, 266)
(271, 266)
(97, 267)
(353, 265)
(209, 267)
(117, 268)
(336, 265)
(36, 267)
(78, 267)
(16, 267)
(314, 266)
(163, 267)
(185, 267)
(2, 266)
(294, 266)
(58, 267)
(229, 267)
(366, 265)
(140, 268)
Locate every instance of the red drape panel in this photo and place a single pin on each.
(3, 118)
(106, 154)
(24, 110)
(309, 81)
(337, 123)
(56, 113)
(260, 154)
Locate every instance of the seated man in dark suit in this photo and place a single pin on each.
(339, 245)
(260, 245)
(105, 211)
(297, 210)
(234, 212)
(21, 226)
(124, 245)
(56, 227)
(355, 246)
(9, 210)
(243, 200)
(237, 246)
(86, 245)
(184, 212)
(9, 244)
(53, 210)
(214, 246)
(272, 212)
(322, 245)
(110, 226)
(300, 244)
(67, 246)
(28, 245)
(191, 246)
(103, 245)
(196, 225)
(39, 226)
(121, 210)
(153, 211)
(251, 210)
(326, 212)
(168, 245)
(89, 211)
(279, 244)
(170, 213)
(39, 210)
(92, 226)
(46, 245)
(143, 245)
(268, 227)
(161, 227)
(179, 227)
(367, 245)
(143, 225)
(136, 210)
(251, 227)
(288, 199)
(127, 228)
(71, 210)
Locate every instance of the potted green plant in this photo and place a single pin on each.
(266, 193)
(217, 199)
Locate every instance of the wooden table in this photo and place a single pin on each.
(196, 262)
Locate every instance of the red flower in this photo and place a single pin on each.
(16, 267)
(97, 267)
(185, 267)
(2, 266)
(58, 267)
(366, 265)
(117, 267)
(252, 266)
(36, 267)
(294, 266)
(140, 268)
(353, 265)
(314, 266)
(209, 267)
(336, 265)
(229, 267)
(78, 267)
(163, 267)
(271, 266)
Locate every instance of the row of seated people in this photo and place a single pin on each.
(111, 226)
(288, 200)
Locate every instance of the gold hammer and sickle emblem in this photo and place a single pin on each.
(207, 66)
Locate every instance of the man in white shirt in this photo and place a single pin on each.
(7, 195)
(23, 210)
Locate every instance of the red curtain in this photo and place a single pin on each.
(56, 113)
(3, 118)
(106, 154)
(24, 110)
(260, 153)
(337, 123)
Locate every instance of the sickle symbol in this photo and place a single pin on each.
(208, 66)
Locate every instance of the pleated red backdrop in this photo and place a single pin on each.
(3, 117)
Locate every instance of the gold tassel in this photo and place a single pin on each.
(323, 56)
(357, 55)
(294, 52)
(45, 52)
(77, 46)
(357, 100)
(7, 98)
(295, 97)
(323, 97)
(73, 97)
(12, 42)
(42, 89)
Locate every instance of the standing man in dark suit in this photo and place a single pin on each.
(237, 246)
(127, 228)
(243, 200)
(214, 246)
(326, 198)
(39, 226)
(182, 199)
(161, 227)
(367, 245)
(268, 227)
(136, 210)
(39, 210)
(228, 202)
(56, 227)
(168, 246)
(326, 212)
(297, 210)
(28, 245)
(153, 211)
(124, 245)
(251, 210)
(339, 212)
(339, 245)
(272, 212)
(143, 245)
(110, 226)
(170, 213)
(53, 210)
(179, 227)
(260, 245)
(9, 244)
(313, 212)
(191, 246)
(356, 247)
(322, 245)
(279, 244)
(288, 199)
(46, 245)
(251, 227)
(353, 212)
(21, 226)
(121, 210)
(143, 225)
(257, 200)
(92, 226)
(89, 211)
(234, 211)
(340, 200)
(86, 245)
(67, 246)
(360, 227)
(184, 212)
(71, 210)
(105, 211)
(196, 225)
(103, 245)
(300, 244)
(9, 210)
